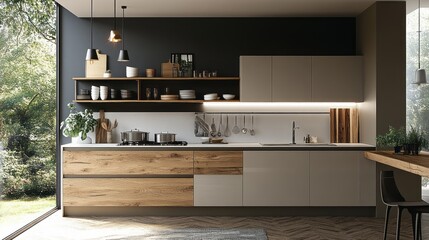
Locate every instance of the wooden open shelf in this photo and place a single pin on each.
(150, 101)
(136, 84)
(157, 78)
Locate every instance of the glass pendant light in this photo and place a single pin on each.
(114, 34)
(91, 54)
(420, 73)
(123, 54)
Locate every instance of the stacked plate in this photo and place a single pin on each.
(169, 97)
(132, 71)
(126, 94)
(211, 96)
(95, 92)
(104, 92)
(187, 94)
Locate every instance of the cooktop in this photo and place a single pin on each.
(152, 143)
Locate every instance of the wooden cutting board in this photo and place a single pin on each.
(100, 132)
(96, 68)
(344, 123)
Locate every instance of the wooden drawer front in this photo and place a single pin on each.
(218, 162)
(128, 191)
(127, 162)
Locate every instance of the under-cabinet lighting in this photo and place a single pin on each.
(281, 104)
(275, 106)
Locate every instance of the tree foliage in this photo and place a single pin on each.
(28, 17)
(27, 98)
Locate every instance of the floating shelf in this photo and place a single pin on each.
(151, 101)
(158, 79)
(138, 84)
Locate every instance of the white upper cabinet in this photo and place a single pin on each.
(337, 79)
(255, 78)
(291, 80)
(301, 79)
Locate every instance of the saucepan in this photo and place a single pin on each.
(134, 136)
(165, 137)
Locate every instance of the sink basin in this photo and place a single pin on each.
(299, 144)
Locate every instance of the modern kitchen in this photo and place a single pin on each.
(209, 110)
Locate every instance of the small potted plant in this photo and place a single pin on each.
(393, 138)
(78, 124)
(107, 74)
(415, 141)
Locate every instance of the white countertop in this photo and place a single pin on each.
(235, 146)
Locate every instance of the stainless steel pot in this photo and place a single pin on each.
(165, 137)
(134, 136)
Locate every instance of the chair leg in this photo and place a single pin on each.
(386, 221)
(419, 225)
(398, 224)
(414, 223)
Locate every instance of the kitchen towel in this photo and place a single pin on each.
(344, 125)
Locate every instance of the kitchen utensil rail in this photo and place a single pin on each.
(263, 113)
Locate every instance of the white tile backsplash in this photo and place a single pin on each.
(268, 127)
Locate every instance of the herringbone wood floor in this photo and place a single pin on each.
(285, 228)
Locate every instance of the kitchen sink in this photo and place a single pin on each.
(299, 144)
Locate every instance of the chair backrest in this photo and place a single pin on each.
(389, 191)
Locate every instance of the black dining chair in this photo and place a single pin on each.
(391, 196)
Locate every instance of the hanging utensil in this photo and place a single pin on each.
(236, 129)
(213, 126)
(115, 124)
(219, 130)
(227, 132)
(252, 131)
(244, 129)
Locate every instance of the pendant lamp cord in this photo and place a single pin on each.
(123, 13)
(419, 34)
(114, 14)
(91, 24)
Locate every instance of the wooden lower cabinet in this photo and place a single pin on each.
(128, 192)
(134, 163)
(218, 162)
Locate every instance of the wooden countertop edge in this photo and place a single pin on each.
(411, 163)
(185, 148)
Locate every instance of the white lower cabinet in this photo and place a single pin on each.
(276, 178)
(218, 190)
(342, 178)
(308, 178)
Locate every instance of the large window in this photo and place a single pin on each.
(418, 96)
(27, 112)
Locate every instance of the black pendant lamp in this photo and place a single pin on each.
(114, 34)
(91, 54)
(123, 54)
(420, 73)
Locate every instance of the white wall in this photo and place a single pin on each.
(268, 127)
(311, 118)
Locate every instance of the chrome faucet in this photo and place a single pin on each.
(293, 132)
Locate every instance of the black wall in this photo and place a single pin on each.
(216, 42)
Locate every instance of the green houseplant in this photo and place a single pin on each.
(78, 124)
(415, 141)
(394, 137)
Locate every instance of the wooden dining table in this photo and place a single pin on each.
(417, 164)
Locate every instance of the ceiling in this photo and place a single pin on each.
(224, 8)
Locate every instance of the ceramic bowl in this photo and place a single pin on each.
(228, 96)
